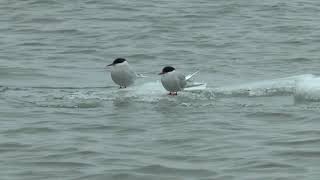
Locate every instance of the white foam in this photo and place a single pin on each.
(278, 86)
(154, 88)
(148, 88)
(302, 86)
(308, 89)
(145, 92)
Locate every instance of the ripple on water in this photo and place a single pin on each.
(125, 175)
(13, 146)
(271, 115)
(303, 153)
(254, 166)
(296, 142)
(172, 171)
(59, 165)
(75, 154)
(3, 88)
(113, 128)
(29, 130)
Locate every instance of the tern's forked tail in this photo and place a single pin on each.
(194, 85)
(188, 77)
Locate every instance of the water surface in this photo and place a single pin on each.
(63, 118)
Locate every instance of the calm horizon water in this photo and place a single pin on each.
(62, 117)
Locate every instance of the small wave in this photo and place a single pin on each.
(95, 128)
(55, 164)
(64, 154)
(84, 105)
(261, 165)
(32, 44)
(44, 2)
(182, 157)
(308, 132)
(65, 31)
(296, 142)
(159, 169)
(275, 87)
(123, 175)
(300, 153)
(176, 141)
(300, 59)
(29, 130)
(44, 20)
(142, 56)
(273, 165)
(70, 87)
(13, 146)
(116, 129)
(51, 31)
(271, 115)
(3, 88)
(78, 51)
(308, 89)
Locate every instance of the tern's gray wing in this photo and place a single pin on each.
(133, 74)
(182, 80)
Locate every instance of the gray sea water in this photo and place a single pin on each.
(62, 117)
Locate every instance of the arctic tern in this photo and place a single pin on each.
(121, 73)
(174, 81)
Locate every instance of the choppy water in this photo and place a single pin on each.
(61, 117)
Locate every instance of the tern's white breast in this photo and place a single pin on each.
(122, 74)
(173, 81)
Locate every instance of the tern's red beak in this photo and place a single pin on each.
(109, 65)
(161, 73)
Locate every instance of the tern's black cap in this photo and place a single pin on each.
(168, 69)
(118, 61)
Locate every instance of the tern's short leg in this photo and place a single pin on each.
(173, 93)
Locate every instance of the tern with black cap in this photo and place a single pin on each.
(121, 73)
(174, 81)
